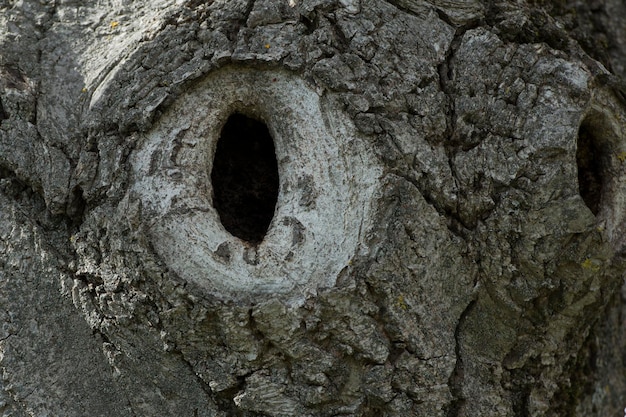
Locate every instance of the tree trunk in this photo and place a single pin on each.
(312, 208)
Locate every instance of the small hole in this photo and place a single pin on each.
(245, 178)
(589, 159)
(3, 113)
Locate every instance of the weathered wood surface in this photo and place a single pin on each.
(449, 233)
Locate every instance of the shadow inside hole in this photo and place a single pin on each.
(590, 161)
(245, 178)
(3, 113)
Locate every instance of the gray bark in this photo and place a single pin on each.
(448, 238)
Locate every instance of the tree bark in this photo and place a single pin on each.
(447, 238)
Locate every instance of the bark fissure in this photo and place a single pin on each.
(457, 378)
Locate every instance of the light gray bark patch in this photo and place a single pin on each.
(328, 150)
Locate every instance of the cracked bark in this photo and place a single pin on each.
(430, 252)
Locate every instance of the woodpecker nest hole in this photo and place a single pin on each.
(590, 162)
(3, 113)
(245, 178)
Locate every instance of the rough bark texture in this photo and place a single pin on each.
(449, 234)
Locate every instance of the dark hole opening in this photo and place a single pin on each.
(245, 178)
(3, 114)
(590, 170)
